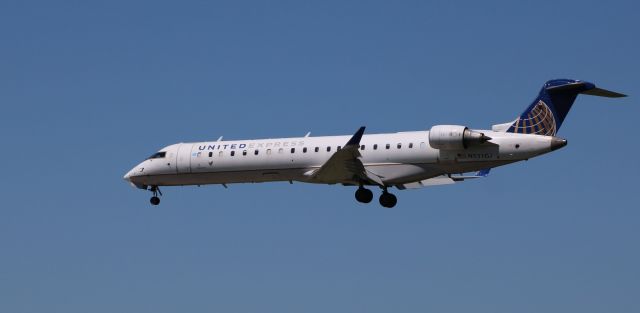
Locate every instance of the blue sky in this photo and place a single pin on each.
(88, 89)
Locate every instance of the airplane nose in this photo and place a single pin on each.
(127, 176)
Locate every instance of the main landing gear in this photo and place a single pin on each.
(387, 199)
(364, 195)
(155, 200)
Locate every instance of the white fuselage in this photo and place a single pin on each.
(395, 157)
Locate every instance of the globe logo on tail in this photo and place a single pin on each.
(539, 121)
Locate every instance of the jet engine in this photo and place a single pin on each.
(454, 137)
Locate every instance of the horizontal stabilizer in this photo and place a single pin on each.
(603, 93)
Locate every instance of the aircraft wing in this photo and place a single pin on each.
(443, 180)
(345, 165)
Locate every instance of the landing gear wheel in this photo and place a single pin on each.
(364, 195)
(388, 200)
(156, 191)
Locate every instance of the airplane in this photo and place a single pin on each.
(444, 154)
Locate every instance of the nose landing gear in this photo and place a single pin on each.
(155, 200)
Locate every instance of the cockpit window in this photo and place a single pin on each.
(158, 155)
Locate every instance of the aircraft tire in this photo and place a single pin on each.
(364, 195)
(154, 200)
(388, 200)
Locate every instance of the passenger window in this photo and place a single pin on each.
(233, 153)
(399, 146)
(387, 146)
(362, 147)
(280, 150)
(339, 147)
(411, 145)
(328, 149)
(375, 147)
(268, 151)
(210, 154)
(255, 152)
(304, 150)
(293, 150)
(317, 149)
(244, 152)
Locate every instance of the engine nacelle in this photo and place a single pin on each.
(454, 137)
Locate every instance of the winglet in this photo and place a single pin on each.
(484, 172)
(355, 140)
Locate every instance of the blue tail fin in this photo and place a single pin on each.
(547, 112)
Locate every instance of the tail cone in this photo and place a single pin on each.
(557, 143)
